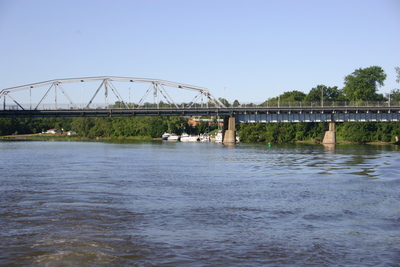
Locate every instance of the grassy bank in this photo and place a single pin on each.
(68, 137)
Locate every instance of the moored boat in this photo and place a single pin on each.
(204, 138)
(173, 137)
(218, 137)
(189, 138)
(165, 136)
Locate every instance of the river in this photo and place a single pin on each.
(154, 203)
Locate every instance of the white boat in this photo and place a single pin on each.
(165, 136)
(204, 138)
(189, 138)
(173, 137)
(218, 137)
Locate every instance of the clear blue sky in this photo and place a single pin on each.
(249, 47)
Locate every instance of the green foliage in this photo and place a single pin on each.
(236, 103)
(156, 127)
(174, 124)
(325, 92)
(362, 84)
(394, 95)
(362, 132)
(358, 132)
(126, 127)
(280, 132)
(252, 132)
(291, 96)
(224, 101)
(6, 126)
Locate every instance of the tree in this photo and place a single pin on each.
(394, 95)
(236, 103)
(362, 84)
(156, 127)
(325, 92)
(292, 96)
(224, 101)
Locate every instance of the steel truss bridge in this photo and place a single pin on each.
(47, 99)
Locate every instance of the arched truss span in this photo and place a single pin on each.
(158, 87)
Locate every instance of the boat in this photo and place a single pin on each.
(204, 138)
(173, 137)
(218, 137)
(189, 138)
(165, 136)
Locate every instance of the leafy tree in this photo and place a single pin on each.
(362, 84)
(174, 124)
(224, 101)
(359, 132)
(328, 94)
(292, 96)
(394, 95)
(5, 126)
(236, 103)
(83, 126)
(156, 127)
(252, 132)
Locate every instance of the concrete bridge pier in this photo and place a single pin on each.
(330, 135)
(229, 134)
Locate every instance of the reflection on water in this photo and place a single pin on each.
(198, 204)
(329, 148)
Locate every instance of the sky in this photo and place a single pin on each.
(248, 50)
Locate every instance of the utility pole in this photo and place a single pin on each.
(322, 96)
(279, 96)
(83, 97)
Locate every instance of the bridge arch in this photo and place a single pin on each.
(159, 88)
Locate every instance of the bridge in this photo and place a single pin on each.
(66, 98)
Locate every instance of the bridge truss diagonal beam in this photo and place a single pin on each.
(158, 86)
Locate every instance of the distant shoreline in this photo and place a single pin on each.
(45, 137)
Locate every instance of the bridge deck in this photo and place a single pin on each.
(242, 114)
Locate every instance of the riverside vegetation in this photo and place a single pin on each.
(361, 85)
(154, 127)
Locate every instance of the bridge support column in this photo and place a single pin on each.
(330, 135)
(229, 136)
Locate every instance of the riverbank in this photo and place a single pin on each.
(44, 137)
(68, 137)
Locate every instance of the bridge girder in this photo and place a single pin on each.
(157, 85)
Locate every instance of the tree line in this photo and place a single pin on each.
(361, 85)
(106, 127)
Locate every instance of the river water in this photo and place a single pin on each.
(154, 203)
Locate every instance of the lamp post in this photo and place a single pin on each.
(279, 96)
(322, 96)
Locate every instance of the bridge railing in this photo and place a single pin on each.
(269, 104)
(117, 105)
(303, 104)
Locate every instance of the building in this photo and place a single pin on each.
(53, 131)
